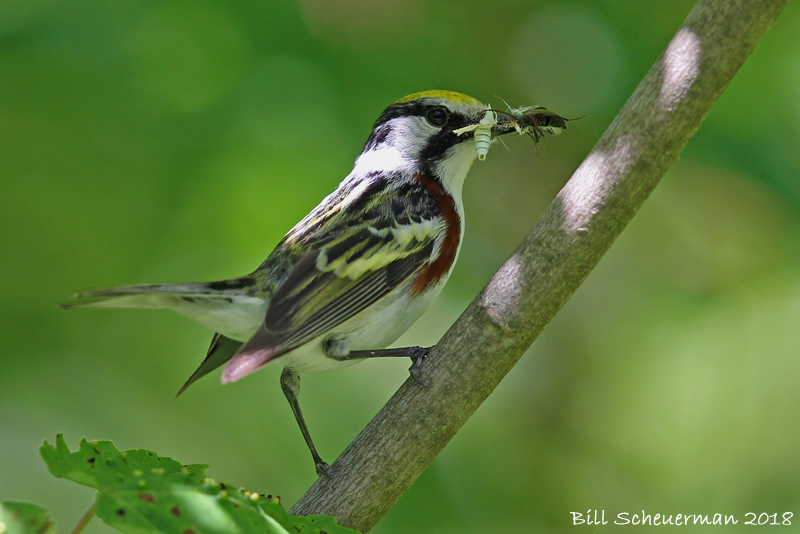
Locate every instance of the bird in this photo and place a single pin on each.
(355, 273)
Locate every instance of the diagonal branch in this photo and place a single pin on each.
(577, 229)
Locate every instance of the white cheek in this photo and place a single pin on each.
(401, 149)
(410, 135)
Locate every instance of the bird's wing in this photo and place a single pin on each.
(343, 275)
(360, 270)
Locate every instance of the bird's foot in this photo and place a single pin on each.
(415, 370)
(323, 469)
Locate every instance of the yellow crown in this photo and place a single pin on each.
(449, 95)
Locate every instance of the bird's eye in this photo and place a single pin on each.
(437, 116)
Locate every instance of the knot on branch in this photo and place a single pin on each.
(501, 297)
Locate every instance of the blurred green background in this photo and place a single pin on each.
(145, 142)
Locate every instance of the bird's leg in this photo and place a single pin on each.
(417, 355)
(290, 384)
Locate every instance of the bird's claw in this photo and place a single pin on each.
(323, 469)
(416, 366)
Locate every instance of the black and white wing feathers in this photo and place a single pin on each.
(350, 263)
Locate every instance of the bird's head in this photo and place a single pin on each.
(432, 133)
(416, 135)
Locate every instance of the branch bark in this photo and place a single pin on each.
(542, 274)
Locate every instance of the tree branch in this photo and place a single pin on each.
(577, 229)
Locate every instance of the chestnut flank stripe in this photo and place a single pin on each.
(433, 271)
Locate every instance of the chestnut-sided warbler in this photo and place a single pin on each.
(358, 270)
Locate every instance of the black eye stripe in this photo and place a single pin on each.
(417, 108)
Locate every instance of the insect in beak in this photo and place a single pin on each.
(533, 121)
(482, 132)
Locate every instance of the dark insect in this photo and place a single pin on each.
(537, 121)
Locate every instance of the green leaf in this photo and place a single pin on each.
(312, 524)
(24, 518)
(100, 464)
(140, 492)
(180, 509)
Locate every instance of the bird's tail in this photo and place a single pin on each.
(149, 296)
(220, 352)
(230, 307)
